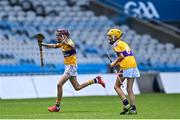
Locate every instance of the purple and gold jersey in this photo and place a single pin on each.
(69, 52)
(121, 47)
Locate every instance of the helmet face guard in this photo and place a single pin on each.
(112, 39)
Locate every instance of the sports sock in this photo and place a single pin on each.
(95, 80)
(92, 81)
(57, 102)
(126, 103)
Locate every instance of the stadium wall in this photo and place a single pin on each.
(147, 83)
(170, 82)
(42, 86)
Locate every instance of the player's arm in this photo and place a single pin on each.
(115, 62)
(52, 45)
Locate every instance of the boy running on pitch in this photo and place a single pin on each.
(70, 60)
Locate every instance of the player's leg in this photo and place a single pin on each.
(63, 79)
(56, 107)
(130, 82)
(122, 96)
(118, 89)
(78, 86)
(60, 84)
(134, 73)
(117, 86)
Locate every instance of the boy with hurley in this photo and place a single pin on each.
(128, 70)
(70, 60)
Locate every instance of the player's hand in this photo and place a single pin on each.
(40, 43)
(112, 65)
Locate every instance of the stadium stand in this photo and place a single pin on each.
(22, 19)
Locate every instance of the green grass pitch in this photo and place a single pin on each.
(95, 107)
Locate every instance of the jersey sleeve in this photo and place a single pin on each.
(58, 45)
(70, 43)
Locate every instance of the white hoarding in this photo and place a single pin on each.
(170, 82)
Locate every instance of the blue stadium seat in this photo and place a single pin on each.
(88, 31)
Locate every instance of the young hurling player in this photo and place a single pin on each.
(70, 60)
(128, 70)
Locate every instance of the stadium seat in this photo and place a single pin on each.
(27, 18)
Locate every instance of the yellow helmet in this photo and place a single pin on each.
(115, 32)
